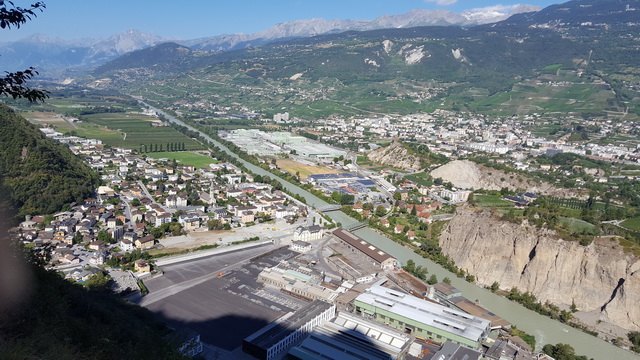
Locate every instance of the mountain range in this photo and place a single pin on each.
(46, 53)
(398, 70)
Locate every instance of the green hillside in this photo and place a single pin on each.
(39, 175)
(574, 68)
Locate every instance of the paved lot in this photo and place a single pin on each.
(223, 309)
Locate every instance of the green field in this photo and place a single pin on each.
(552, 93)
(184, 157)
(488, 201)
(132, 131)
(363, 161)
(575, 225)
(420, 178)
(632, 224)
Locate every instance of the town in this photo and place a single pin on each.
(155, 220)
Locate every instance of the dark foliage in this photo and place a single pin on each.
(40, 174)
(562, 352)
(61, 320)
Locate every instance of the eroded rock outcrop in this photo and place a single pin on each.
(395, 155)
(598, 278)
(467, 174)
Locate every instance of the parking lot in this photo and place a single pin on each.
(219, 297)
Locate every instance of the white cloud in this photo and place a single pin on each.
(442, 2)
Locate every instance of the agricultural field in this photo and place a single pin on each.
(421, 178)
(304, 170)
(363, 161)
(115, 120)
(489, 201)
(51, 119)
(576, 225)
(185, 158)
(560, 92)
(632, 224)
(133, 131)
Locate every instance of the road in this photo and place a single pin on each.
(543, 328)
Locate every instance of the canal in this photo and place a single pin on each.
(546, 330)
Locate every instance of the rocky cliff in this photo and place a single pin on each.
(600, 278)
(395, 155)
(469, 175)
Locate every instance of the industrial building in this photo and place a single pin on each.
(296, 281)
(273, 143)
(452, 351)
(421, 318)
(350, 337)
(279, 336)
(355, 268)
(344, 183)
(358, 245)
(451, 297)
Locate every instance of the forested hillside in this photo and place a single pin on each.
(38, 175)
(42, 315)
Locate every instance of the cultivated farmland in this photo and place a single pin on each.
(133, 131)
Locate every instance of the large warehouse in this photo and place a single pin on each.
(358, 245)
(421, 318)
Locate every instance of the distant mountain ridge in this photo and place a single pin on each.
(557, 24)
(47, 53)
(318, 26)
(388, 70)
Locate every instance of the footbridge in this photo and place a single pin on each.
(329, 208)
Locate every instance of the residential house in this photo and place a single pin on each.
(126, 245)
(247, 216)
(96, 245)
(145, 242)
(142, 266)
(425, 217)
(162, 219)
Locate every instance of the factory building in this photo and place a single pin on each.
(421, 318)
(282, 334)
(360, 246)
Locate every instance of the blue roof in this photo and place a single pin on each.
(516, 199)
(367, 182)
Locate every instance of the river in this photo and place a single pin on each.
(543, 328)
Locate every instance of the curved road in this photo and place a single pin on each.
(545, 329)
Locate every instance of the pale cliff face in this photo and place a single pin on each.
(395, 155)
(599, 277)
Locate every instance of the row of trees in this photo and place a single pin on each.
(421, 273)
(529, 301)
(171, 147)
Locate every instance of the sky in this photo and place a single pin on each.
(191, 19)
